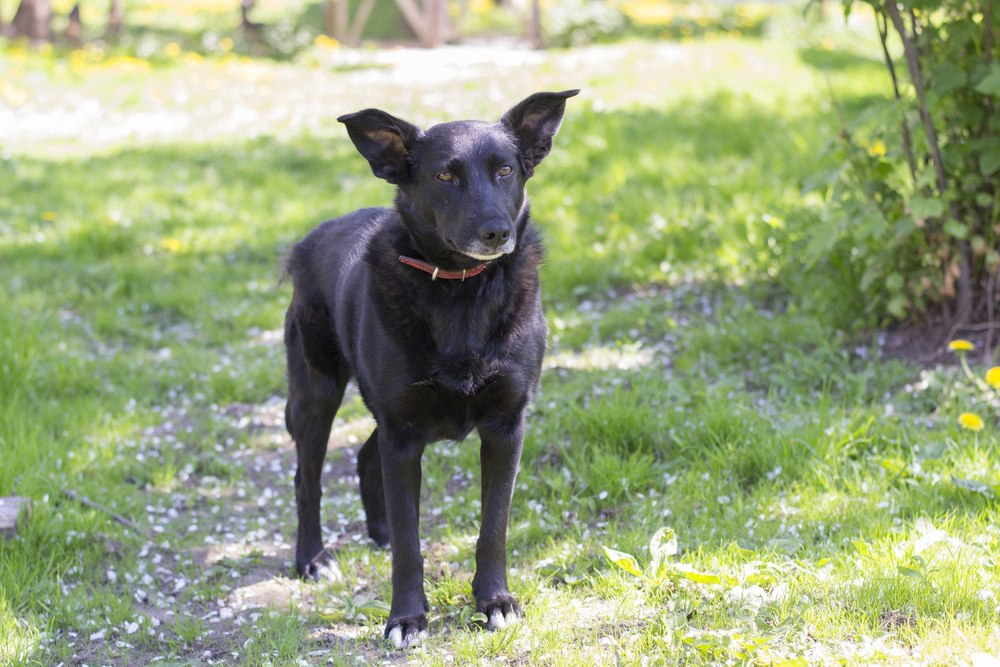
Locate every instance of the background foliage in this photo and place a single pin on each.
(914, 219)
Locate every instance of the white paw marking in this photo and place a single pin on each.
(401, 641)
(331, 572)
(497, 620)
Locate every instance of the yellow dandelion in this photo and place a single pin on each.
(877, 149)
(170, 245)
(970, 422)
(325, 42)
(226, 44)
(993, 377)
(172, 50)
(961, 345)
(48, 216)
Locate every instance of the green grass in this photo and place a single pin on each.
(826, 493)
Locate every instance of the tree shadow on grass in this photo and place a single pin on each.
(838, 60)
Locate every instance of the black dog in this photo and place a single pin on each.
(434, 307)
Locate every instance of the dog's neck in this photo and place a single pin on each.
(470, 332)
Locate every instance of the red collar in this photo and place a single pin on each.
(437, 272)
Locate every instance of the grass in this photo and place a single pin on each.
(826, 504)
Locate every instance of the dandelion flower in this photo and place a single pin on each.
(170, 245)
(993, 377)
(961, 345)
(226, 44)
(325, 42)
(970, 422)
(877, 149)
(172, 50)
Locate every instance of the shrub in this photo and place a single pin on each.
(913, 221)
(580, 22)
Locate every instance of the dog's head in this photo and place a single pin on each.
(461, 184)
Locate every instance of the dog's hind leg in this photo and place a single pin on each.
(313, 400)
(372, 490)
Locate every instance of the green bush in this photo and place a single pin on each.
(579, 22)
(912, 220)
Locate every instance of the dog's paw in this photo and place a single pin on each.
(406, 631)
(322, 566)
(500, 611)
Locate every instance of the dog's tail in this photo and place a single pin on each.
(285, 263)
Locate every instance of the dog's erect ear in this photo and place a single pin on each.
(534, 122)
(384, 140)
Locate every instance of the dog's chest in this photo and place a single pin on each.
(449, 408)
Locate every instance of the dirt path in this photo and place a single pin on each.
(65, 112)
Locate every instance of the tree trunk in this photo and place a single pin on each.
(535, 35)
(32, 20)
(74, 30)
(251, 29)
(116, 19)
(332, 18)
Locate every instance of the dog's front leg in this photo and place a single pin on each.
(500, 456)
(407, 622)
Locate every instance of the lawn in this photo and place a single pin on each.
(821, 502)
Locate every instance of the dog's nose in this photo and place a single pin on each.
(494, 233)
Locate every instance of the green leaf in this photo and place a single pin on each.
(893, 465)
(333, 615)
(664, 543)
(480, 617)
(661, 548)
(699, 577)
(989, 162)
(924, 207)
(909, 572)
(897, 306)
(374, 609)
(990, 84)
(623, 561)
(948, 76)
(822, 239)
(956, 229)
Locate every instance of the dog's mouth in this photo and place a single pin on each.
(483, 258)
(483, 252)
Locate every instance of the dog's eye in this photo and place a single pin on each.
(446, 176)
(505, 170)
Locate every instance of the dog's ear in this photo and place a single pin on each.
(534, 122)
(384, 140)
